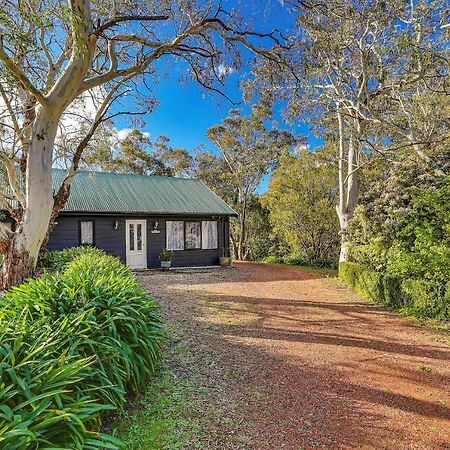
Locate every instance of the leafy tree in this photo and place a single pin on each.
(261, 239)
(177, 161)
(132, 156)
(301, 202)
(55, 54)
(249, 150)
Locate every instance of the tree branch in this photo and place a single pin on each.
(117, 20)
(12, 178)
(20, 75)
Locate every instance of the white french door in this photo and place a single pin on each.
(136, 243)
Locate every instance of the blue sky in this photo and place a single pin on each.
(186, 111)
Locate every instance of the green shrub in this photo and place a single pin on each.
(100, 331)
(349, 273)
(425, 298)
(421, 298)
(365, 281)
(392, 291)
(295, 260)
(273, 260)
(41, 399)
(57, 260)
(371, 284)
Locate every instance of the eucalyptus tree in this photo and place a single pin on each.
(369, 74)
(249, 148)
(135, 154)
(54, 53)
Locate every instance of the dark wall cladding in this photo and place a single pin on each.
(66, 234)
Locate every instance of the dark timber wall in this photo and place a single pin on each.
(66, 234)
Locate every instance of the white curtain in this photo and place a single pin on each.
(209, 234)
(87, 233)
(175, 235)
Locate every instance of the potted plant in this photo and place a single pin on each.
(225, 260)
(166, 258)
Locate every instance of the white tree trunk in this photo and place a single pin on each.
(22, 249)
(348, 187)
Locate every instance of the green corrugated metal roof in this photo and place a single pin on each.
(125, 193)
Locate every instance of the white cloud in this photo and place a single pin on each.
(124, 132)
(224, 70)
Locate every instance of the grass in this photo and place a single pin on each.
(166, 415)
(325, 272)
(162, 418)
(425, 368)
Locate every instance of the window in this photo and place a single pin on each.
(175, 235)
(193, 237)
(131, 236)
(209, 234)
(139, 236)
(87, 232)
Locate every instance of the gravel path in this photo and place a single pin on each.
(290, 360)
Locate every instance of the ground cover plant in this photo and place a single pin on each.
(73, 343)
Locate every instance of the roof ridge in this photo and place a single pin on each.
(102, 172)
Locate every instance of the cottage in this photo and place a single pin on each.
(135, 217)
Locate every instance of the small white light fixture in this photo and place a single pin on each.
(155, 227)
(116, 225)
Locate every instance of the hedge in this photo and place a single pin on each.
(421, 298)
(72, 343)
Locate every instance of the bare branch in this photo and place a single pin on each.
(12, 178)
(118, 20)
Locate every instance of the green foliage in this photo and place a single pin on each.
(403, 225)
(417, 297)
(271, 259)
(426, 298)
(71, 345)
(293, 260)
(261, 240)
(58, 260)
(166, 255)
(301, 199)
(136, 154)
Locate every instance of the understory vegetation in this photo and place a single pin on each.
(400, 241)
(73, 342)
(416, 297)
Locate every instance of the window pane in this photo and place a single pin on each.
(175, 235)
(87, 233)
(193, 236)
(209, 234)
(139, 236)
(131, 236)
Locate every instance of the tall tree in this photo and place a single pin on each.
(372, 75)
(135, 153)
(249, 150)
(54, 53)
(301, 201)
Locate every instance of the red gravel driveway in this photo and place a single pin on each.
(297, 361)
